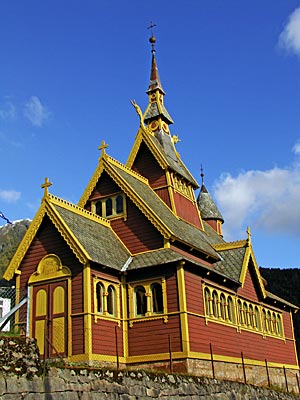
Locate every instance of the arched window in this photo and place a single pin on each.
(108, 207)
(230, 309)
(207, 301)
(257, 318)
(246, 313)
(99, 208)
(279, 324)
(111, 300)
(119, 204)
(240, 312)
(215, 304)
(274, 324)
(251, 316)
(264, 320)
(223, 306)
(99, 297)
(140, 300)
(269, 321)
(157, 298)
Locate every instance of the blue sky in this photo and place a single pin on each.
(231, 71)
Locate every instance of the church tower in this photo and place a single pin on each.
(154, 154)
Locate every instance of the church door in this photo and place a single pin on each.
(49, 318)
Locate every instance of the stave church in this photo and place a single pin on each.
(138, 274)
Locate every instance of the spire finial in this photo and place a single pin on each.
(152, 39)
(249, 235)
(103, 147)
(202, 174)
(46, 186)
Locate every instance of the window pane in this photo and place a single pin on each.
(119, 204)
(99, 208)
(207, 301)
(230, 309)
(223, 306)
(99, 295)
(215, 304)
(108, 207)
(111, 300)
(157, 298)
(140, 300)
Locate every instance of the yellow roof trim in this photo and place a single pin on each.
(157, 222)
(66, 233)
(92, 183)
(79, 210)
(129, 171)
(230, 245)
(250, 253)
(25, 243)
(47, 208)
(143, 136)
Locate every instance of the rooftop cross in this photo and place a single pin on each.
(202, 174)
(151, 26)
(249, 235)
(103, 147)
(152, 39)
(46, 185)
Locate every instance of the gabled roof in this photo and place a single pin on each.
(163, 150)
(158, 212)
(90, 237)
(235, 261)
(207, 206)
(151, 205)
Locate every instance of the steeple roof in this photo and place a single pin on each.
(155, 82)
(207, 206)
(156, 108)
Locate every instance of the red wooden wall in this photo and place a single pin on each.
(225, 339)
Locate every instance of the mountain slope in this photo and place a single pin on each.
(10, 237)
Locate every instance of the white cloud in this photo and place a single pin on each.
(265, 200)
(10, 196)
(296, 148)
(289, 38)
(8, 111)
(35, 112)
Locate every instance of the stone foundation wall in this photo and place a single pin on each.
(22, 376)
(71, 384)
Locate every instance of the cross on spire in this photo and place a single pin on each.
(103, 147)
(151, 26)
(202, 174)
(45, 186)
(152, 39)
(249, 235)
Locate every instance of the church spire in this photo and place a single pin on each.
(156, 116)
(155, 82)
(208, 209)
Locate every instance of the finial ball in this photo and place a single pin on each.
(152, 39)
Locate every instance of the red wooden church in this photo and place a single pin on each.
(139, 267)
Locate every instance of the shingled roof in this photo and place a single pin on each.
(231, 262)
(179, 229)
(207, 206)
(98, 240)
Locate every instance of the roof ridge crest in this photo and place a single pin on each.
(230, 245)
(127, 169)
(74, 207)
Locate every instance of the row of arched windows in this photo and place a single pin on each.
(147, 299)
(225, 307)
(106, 299)
(182, 186)
(110, 206)
(154, 305)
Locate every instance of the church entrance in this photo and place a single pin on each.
(49, 322)
(49, 315)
